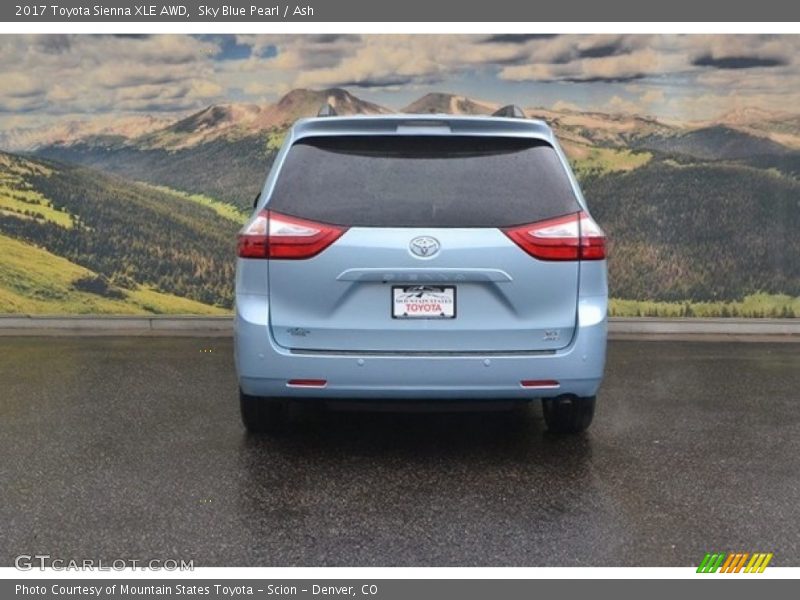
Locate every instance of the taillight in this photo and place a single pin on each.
(273, 235)
(252, 239)
(571, 237)
(593, 240)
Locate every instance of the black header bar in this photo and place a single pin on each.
(443, 11)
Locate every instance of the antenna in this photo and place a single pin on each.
(326, 110)
(510, 110)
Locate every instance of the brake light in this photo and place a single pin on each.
(273, 235)
(572, 237)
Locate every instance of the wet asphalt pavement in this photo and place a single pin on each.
(132, 448)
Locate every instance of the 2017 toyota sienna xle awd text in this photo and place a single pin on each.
(420, 257)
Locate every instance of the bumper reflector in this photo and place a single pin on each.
(317, 383)
(540, 384)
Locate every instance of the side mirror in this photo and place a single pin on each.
(255, 202)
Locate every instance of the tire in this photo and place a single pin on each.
(263, 415)
(568, 414)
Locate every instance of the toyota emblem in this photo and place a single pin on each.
(424, 246)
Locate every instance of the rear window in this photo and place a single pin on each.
(423, 181)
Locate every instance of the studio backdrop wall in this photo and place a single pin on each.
(128, 163)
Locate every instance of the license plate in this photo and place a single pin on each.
(424, 302)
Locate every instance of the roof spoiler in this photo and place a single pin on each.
(326, 110)
(511, 111)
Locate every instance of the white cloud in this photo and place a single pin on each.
(89, 74)
(53, 75)
(620, 105)
(652, 96)
(564, 105)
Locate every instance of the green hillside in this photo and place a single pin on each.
(752, 306)
(223, 209)
(683, 230)
(701, 232)
(131, 237)
(19, 198)
(694, 231)
(712, 143)
(589, 161)
(34, 281)
(231, 170)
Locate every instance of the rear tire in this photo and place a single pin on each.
(263, 415)
(568, 414)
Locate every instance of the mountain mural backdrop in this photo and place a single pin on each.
(140, 215)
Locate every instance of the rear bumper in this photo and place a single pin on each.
(264, 368)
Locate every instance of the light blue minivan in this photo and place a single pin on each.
(421, 258)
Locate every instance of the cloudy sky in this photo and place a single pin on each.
(688, 77)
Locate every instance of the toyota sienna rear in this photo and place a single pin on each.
(432, 258)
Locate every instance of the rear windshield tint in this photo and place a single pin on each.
(419, 181)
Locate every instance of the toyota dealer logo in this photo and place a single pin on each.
(424, 246)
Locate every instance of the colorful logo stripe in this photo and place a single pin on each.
(734, 562)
